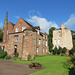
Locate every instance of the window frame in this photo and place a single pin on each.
(16, 38)
(17, 29)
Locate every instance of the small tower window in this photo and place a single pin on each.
(20, 23)
(46, 43)
(55, 41)
(58, 41)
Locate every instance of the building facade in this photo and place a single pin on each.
(62, 38)
(23, 38)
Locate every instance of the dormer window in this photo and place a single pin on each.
(23, 28)
(17, 29)
(46, 36)
(20, 23)
(38, 32)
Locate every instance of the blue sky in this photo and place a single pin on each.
(45, 13)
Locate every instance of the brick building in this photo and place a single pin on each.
(23, 38)
(62, 38)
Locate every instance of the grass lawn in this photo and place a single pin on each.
(53, 65)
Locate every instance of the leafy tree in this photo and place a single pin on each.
(64, 50)
(73, 38)
(55, 50)
(50, 36)
(1, 35)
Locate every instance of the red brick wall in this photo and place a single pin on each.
(20, 26)
(5, 35)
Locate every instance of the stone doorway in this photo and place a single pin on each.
(15, 49)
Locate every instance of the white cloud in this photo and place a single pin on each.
(43, 23)
(33, 13)
(17, 17)
(70, 22)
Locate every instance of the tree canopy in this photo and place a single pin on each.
(1, 35)
(50, 36)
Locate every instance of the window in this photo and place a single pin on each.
(43, 49)
(16, 38)
(46, 36)
(17, 29)
(58, 41)
(46, 43)
(7, 31)
(38, 32)
(39, 41)
(59, 35)
(23, 28)
(46, 50)
(55, 41)
(3, 48)
(43, 36)
(20, 23)
(43, 42)
(59, 32)
(37, 50)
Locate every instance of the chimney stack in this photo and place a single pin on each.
(62, 26)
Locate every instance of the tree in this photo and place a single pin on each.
(1, 35)
(71, 52)
(55, 50)
(64, 50)
(50, 36)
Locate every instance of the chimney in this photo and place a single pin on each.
(62, 29)
(62, 26)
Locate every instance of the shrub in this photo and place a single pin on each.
(70, 64)
(2, 54)
(7, 57)
(64, 50)
(29, 57)
(16, 55)
(50, 50)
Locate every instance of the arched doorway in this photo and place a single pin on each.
(15, 49)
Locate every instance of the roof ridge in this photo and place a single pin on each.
(27, 22)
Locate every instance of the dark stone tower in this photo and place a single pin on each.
(5, 28)
(6, 21)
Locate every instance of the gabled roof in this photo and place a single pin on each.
(13, 24)
(27, 23)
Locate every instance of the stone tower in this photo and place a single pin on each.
(6, 21)
(5, 28)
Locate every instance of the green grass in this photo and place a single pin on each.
(53, 65)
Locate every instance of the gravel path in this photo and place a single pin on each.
(10, 68)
